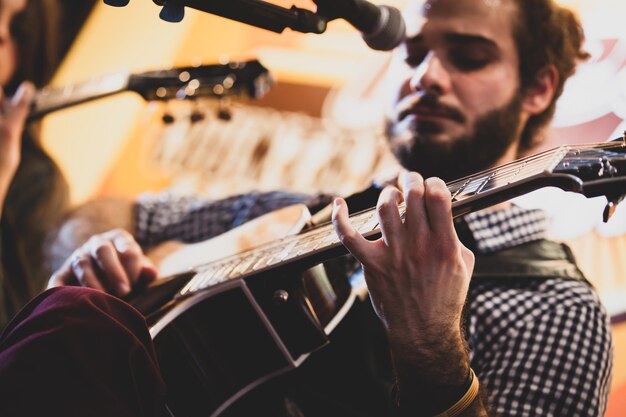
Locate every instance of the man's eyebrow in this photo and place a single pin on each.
(457, 38)
(464, 38)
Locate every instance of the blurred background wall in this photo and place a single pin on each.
(328, 97)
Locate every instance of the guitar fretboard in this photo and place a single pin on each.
(323, 238)
(505, 175)
(54, 98)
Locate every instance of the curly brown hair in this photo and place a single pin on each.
(546, 34)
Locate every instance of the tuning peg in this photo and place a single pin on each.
(116, 3)
(224, 114)
(611, 206)
(223, 110)
(172, 11)
(168, 118)
(197, 114)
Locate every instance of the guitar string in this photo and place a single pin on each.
(229, 268)
(232, 267)
(514, 165)
(507, 167)
(299, 241)
(549, 153)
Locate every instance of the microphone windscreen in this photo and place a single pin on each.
(391, 30)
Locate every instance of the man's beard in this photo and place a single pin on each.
(460, 156)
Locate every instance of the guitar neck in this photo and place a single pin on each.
(247, 78)
(468, 194)
(51, 99)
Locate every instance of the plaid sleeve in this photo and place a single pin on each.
(542, 351)
(159, 217)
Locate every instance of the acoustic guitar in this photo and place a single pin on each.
(245, 78)
(222, 328)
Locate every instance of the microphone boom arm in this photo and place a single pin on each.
(256, 13)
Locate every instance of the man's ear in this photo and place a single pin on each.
(539, 95)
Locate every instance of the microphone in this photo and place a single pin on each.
(382, 27)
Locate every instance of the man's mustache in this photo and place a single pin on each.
(427, 103)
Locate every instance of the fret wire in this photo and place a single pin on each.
(461, 188)
(505, 169)
(503, 178)
(291, 246)
(508, 166)
(528, 165)
(509, 174)
(484, 184)
(288, 248)
(532, 164)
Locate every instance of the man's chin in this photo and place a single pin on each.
(437, 132)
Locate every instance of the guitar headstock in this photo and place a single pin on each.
(601, 168)
(247, 78)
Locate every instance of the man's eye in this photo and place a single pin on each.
(415, 58)
(465, 61)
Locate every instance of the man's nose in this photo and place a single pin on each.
(430, 76)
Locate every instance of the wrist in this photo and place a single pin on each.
(447, 401)
(430, 350)
(431, 374)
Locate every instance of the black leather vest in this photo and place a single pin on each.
(538, 259)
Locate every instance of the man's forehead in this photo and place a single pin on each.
(467, 15)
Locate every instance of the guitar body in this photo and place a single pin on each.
(217, 345)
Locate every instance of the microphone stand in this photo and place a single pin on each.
(253, 12)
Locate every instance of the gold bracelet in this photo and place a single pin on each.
(466, 400)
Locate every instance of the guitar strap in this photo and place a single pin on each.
(537, 259)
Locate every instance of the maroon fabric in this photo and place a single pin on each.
(79, 352)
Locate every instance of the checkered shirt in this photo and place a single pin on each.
(541, 347)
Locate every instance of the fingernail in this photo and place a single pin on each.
(21, 90)
(121, 244)
(124, 288)
(26, 89)
(336, 204)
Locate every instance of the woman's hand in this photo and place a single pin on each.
(112, 261)
(13, 113)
